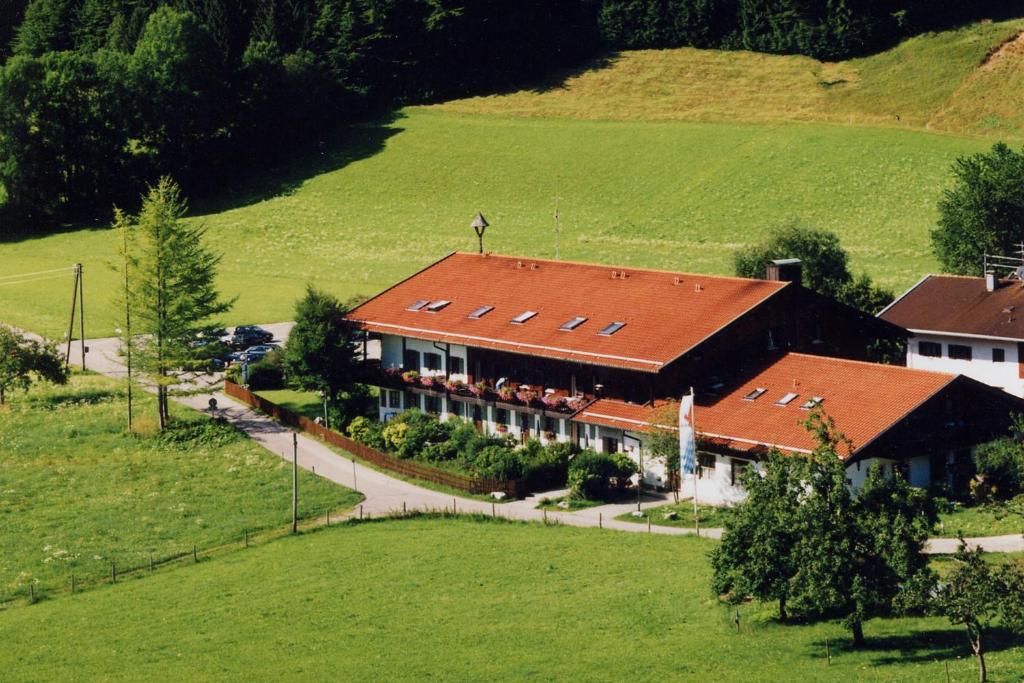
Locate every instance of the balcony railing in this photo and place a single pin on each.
(510, 393)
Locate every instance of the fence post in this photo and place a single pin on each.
(545, 514)
(113, 572)
(648, 524)
(151, 563)
(72, 582)
(453, 506)
(600, 520)
(32, 592)
(403, 508)
(494, 511)
(246, 532)
(328, 518)
(195, 554)
(360, 512)
(828, 653)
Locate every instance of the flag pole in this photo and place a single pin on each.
(696, 464)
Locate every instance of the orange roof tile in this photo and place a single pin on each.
(864, 400)
(665, 313)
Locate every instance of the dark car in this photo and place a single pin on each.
(245, 336)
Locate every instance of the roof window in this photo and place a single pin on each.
(812, 402)
(571, 325)
(418, 304)
(480, 312)
(523, 317)
(755, 394)
(437, 305)
(787, 399)
(611, 329)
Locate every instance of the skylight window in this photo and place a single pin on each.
(437, 305)
(812, 402)
(611, 329)
(480, 312)
(755, 394)
(418, 304)
(523, 317)
(787, 399)
(571, 325)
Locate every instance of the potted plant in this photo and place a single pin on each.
(526, 396)
(552, 401)
(427, 381)
(479, 388)
(410, 376)
(506, 393)
(454, 385)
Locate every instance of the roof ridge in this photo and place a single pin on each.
(851, 361)
(591, 264)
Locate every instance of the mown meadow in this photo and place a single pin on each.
(455, 599)
(78, 493)
(669, 159)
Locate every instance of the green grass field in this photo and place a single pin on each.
(77, 493)
(458, 600)
(670, 159)
(673, 195)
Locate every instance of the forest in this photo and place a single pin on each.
(100, 97)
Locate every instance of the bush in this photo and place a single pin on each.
(266, 374)
(1000, 466)
(498, 462)
(594, 476)
(547, 465)
(366, 431)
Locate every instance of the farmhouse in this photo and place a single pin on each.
(588, 353)
(973, 326)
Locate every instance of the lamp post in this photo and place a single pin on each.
(323, 395)
(479, 225)
(639, 478)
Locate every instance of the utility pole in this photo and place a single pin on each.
(74, 305)
(128, 328)
(81, 311)
(295, 482)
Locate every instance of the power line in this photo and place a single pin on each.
(34, 279)
(38, 272)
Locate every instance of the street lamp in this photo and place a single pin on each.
(323, 395)
(479, 225)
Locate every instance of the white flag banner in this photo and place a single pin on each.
(687, 437)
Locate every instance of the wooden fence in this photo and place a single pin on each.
(515, 488)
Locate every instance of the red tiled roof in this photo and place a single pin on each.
(960, 305)
(666, 314)
(864, 400)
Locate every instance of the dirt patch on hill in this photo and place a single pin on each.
(1011, 48)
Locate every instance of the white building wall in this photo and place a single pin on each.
(392, 355)
(1004, 375)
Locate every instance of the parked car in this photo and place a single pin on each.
(253, 354)
(245, 336)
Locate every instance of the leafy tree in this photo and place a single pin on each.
(755, 556)
(172, 298)
(663, 442)
(825, 265)
(978, 595)
(983, 212)
(855, 554)
(321, 353)
(24, 360)
(1000, 464)
(12, 12)
(48, 26)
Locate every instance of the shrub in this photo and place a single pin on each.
(1000, 464)
(366, 431)
(266, 374)
(547, 465)
(394, 434)
(498, 462)
(593, 475)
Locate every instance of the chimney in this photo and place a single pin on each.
(990, 282)
(785, 270)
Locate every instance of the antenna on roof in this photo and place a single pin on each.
(558, 228)
(1011, 267)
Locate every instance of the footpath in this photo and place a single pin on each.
(385, 494)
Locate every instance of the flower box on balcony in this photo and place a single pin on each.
(410, 376)
(501, 429)
(427, 382)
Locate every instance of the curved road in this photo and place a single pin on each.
(385, 494)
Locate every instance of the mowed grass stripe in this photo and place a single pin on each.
(449, 599)
(669, 195)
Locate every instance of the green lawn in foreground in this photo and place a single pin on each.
(77, 493)
(710, 517)
(979, 521)
(448, 599)
(676, 195)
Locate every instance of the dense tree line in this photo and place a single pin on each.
(99, 98)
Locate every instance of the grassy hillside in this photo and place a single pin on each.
(670, 159)
(945, 82)
(76, 493)
(457, 600)
(673, 195)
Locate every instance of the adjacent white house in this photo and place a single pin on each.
(972, 326)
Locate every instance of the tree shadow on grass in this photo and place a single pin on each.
(337, 149)
(923, 646)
